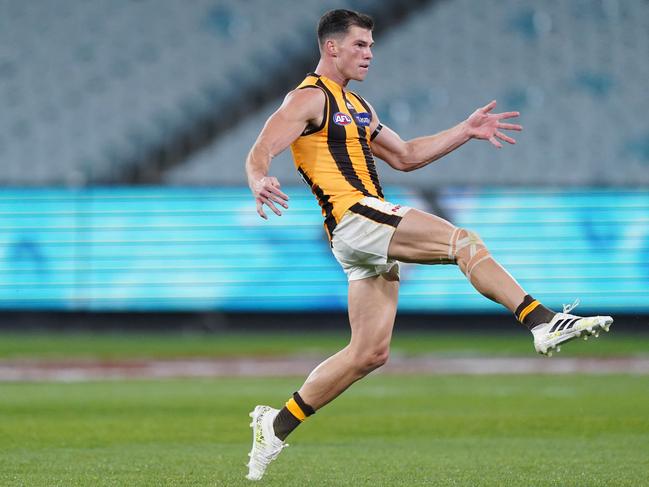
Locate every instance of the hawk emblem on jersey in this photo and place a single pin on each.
(341, 118)
(363, 119)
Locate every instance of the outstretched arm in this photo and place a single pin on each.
(419, 152)
(300, 107)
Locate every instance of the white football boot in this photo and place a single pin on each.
(565, 327)
(265, 445)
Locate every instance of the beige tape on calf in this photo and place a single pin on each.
(478, 253)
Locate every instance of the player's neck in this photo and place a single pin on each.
(330, 72)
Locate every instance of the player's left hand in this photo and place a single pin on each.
(486, 126)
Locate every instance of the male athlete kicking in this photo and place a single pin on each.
(334, 134)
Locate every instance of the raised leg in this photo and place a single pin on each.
(427, 239)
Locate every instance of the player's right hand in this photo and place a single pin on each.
(266, 191)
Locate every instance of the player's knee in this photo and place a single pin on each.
(467, 249)
(372, 358)
(380, 357)
(376, 358)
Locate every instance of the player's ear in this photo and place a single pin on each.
(331, 48)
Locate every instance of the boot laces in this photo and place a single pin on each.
(567, 308)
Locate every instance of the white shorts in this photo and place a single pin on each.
(361, 239)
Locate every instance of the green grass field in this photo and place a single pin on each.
(569, 430)
(385, 431)
(173, 345)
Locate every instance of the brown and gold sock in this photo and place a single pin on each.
(291, 416)
(532, 313)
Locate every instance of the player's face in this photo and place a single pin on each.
(355, 53)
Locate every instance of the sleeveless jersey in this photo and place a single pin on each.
(335, 159)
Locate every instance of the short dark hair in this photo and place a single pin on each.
(340, 20)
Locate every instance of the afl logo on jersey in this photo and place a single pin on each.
(363, 119)
(341, 118)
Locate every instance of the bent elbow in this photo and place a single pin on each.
(407, 166)
(400, 166)
(407, 159)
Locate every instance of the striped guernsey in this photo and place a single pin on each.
(335, 159)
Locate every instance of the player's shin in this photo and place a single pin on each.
(494, 282)
(485, 274)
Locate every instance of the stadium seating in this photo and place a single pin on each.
(575, 71)
(120, 87)
(91, 90)
(113, 90)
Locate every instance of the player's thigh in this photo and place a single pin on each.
(372, 310)
(421, 237)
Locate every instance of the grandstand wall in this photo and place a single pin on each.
(189, 249)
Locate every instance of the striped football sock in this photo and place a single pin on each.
(532, 313)
(291, 416)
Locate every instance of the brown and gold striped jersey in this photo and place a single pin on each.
(335, 159)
